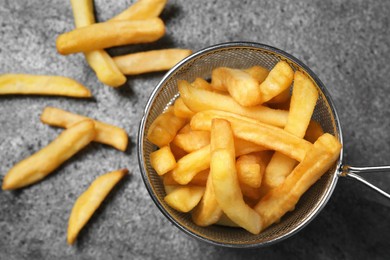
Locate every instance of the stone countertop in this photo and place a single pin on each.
(346, 43)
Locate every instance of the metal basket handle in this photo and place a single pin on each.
(352, 173)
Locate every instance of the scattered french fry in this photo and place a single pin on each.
(283, 198)
(90, 200)
(164, 128)
(184, 198)
(207, 212)
(303, 101)
(150, 61)
(225, 181)
(162, 160)
(45, 161)
(243, 88)
(272, 138)
(279, 79)
(198, 100)
(109, 34)
(142, 9)
(105, 133)
(26, 84)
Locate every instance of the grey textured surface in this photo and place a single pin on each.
(346, 43)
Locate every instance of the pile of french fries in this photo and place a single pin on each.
(241, 149)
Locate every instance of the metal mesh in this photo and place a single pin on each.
(236, 55)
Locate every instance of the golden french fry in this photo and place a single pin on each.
(193, 140)
(105, 133)
(26, 84)
(244, 147)
(162, 160)
(177, 151)
(199, 100)
(224, 177)
(251, 193)
(109, 34)
(191, 164)
(243, 88)
(207, 212)
(184, 198)
(283, 198)
(314, 130)
(303, 101)
(249, 170)
(272, 138)
(257, 72)
(142, 9)
(42, 163)
(87, 203)
(150, 61)
(83, 12)
(164, 128)
(279, 79)
(199, 179)
(181, 110)
(282, 98)
(202, 84)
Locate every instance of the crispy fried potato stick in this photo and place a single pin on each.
(142, 9)
(27, 84)
(202, 84)
(162, 160)
(99, 60)
(200, 179)
(243, 88)
(279, 79)
(207, 212)
(225, 181)
(258, 72)
(109, 34)
(150, 61)
(191, 164)
(314, 130)
(283, 198)
(90, 200)
(193, 140)
(272, 138)
(303, 101)
(184, 198)
(199, 100)
(181, 109)
(42, 163)
(105, 133)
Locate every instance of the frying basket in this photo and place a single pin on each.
(238, 55)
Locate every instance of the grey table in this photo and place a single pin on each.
(346, 43)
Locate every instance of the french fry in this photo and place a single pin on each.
(224, 177)
(199, 179)
(164, 128)
(279, 79)
(281, 98)
(272, 138)
(26, 84)
(249, 170)
(283, 198)
(303, 101)
(207, 212)
(177, 151)
(181, 110)
(142, 9)
(184, 198)
(193, 140)
(244, 147)
(90, 200)
(42, 163)
(105, 133)
(257, 72)
(199, 100)
(109, 34)
(243, 88)
(191, 164)
(314, 130)
(162, 160)
(99, 60)
(150, 61)
(202, 84)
